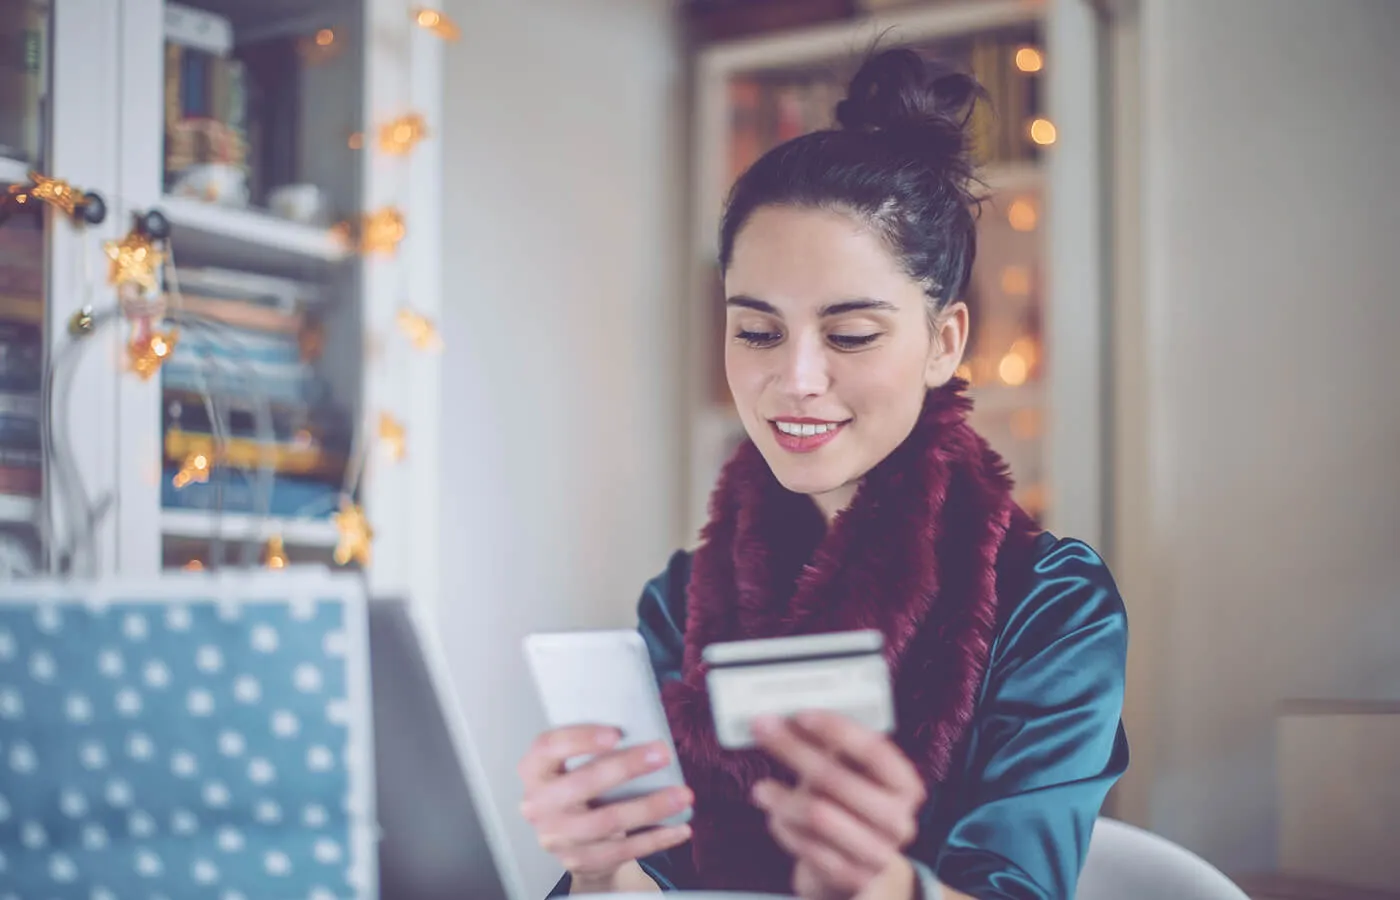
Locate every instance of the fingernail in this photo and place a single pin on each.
(656, 755)
(763, 726)
(607, 739)
(680, 798)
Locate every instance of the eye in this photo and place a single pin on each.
(852, 341)
(758, 338)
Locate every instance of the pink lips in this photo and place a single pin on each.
(805, 443)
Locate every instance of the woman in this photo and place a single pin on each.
(863, 500)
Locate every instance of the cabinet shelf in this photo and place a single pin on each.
(248, 239)
(300, 532)
(14, 508)
(13, 171)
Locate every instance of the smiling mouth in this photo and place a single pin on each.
(805, 429)
(805, 435)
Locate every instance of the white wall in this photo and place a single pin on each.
(560, 490)
(1260, 531)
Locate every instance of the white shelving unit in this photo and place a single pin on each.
(13, 171)
(106, 56)
(248, 236)
(1051, 429)
(18, 510)
(204, 526)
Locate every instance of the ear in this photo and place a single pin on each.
(949, 341)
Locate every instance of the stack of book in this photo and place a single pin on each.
(206, 107)
(21, 356)
(248, 347)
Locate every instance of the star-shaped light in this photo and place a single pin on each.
(145, 355)
(55, 191)
(195, 468)
(421, 331)
(439, 24)
(276, 553)
(399, 137)
(382, 230)
(392, 433)
(134, 260)
(355, 534)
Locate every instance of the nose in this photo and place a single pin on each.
(804, 370)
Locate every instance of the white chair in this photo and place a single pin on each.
(1127, 863)
(1124, 863)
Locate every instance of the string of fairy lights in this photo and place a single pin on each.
(141, 269)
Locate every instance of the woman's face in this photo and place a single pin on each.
(829, 350)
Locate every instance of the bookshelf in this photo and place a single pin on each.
(243, 238)
(199, 526)
(234, 119)
(12, 171)
(1028, 312)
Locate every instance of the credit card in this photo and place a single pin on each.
(841, 672)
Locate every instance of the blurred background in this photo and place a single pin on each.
(465, 260)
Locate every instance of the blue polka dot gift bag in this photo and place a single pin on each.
(188, 736)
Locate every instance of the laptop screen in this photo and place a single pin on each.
(435, 844)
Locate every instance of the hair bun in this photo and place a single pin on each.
(899, 90)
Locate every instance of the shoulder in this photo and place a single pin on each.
(667, 590)
(1061, 589)
(661, 616)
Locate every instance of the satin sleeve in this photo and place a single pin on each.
(1046, 742)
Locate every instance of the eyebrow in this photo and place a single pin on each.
(858, 304)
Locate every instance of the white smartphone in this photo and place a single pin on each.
(605, 678)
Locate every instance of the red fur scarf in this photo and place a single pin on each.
(915, 556)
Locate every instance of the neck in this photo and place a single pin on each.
(831, 503)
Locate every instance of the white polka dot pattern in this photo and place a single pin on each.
(165, 750)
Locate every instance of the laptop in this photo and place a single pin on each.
(439, 840)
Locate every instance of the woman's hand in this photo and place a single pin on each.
(594, 843)
(852, 812)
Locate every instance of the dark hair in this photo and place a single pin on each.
(899, 161)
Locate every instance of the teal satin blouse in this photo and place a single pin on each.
(1013, 818)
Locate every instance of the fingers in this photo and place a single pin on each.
(834, 870)
(871, 751)
(613, 821)
(608, 855)
(590, 781)
(596, 840)
(545, 758)
(826, 774)
(817, 818)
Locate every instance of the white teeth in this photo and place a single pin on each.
(805, 430)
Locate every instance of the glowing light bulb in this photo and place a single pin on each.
(276, 553)
(194, 469)
(1022, 215)
(1013, 369)
(393, 435)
